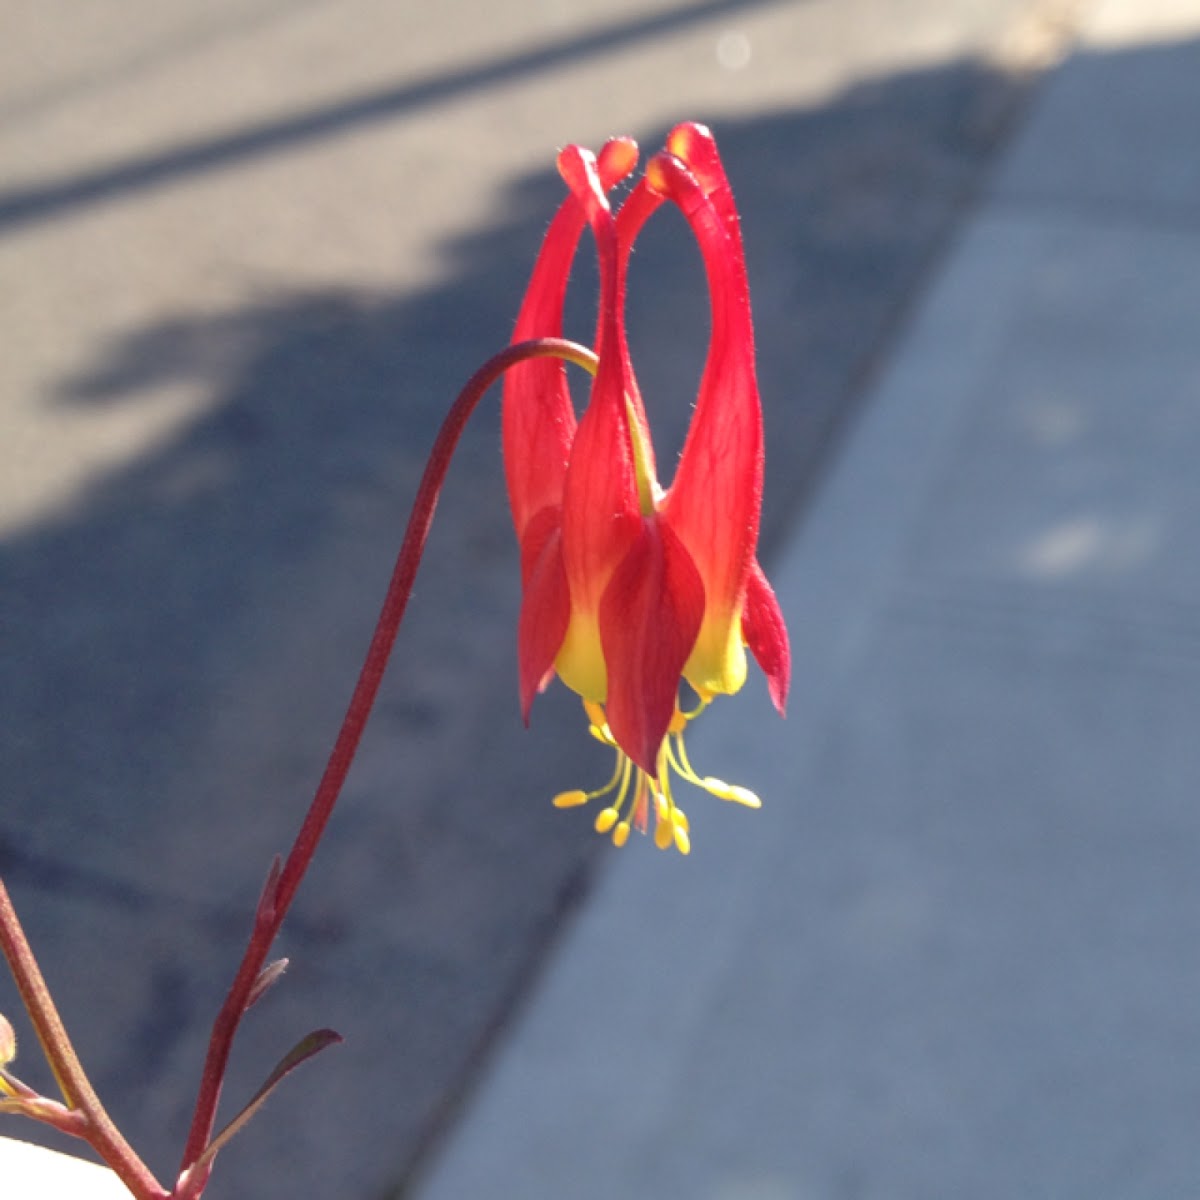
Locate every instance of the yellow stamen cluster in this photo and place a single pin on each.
(633, 791)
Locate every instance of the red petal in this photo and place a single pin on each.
(715, 499)
(649, 618)
(600, 501)
(695, 146)
(538, 417)
(545, 605)
(767, 636)
(638, 206)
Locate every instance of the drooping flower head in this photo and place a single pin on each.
(631, 590)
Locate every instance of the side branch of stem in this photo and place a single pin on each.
(96, 1126)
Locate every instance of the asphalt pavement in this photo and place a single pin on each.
(248, 253)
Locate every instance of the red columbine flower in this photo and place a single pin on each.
(630, 590)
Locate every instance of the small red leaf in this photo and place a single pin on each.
(268, 977)
(302, 1051)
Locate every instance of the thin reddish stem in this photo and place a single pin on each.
(94, 1125)
(277, 899)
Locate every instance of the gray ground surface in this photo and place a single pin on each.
(248, 252)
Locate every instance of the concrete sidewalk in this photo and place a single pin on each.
(958, 952)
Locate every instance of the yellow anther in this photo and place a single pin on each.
(571, 799)
(631, 790)
(730, 791)
(683, 843)
(606, 818)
